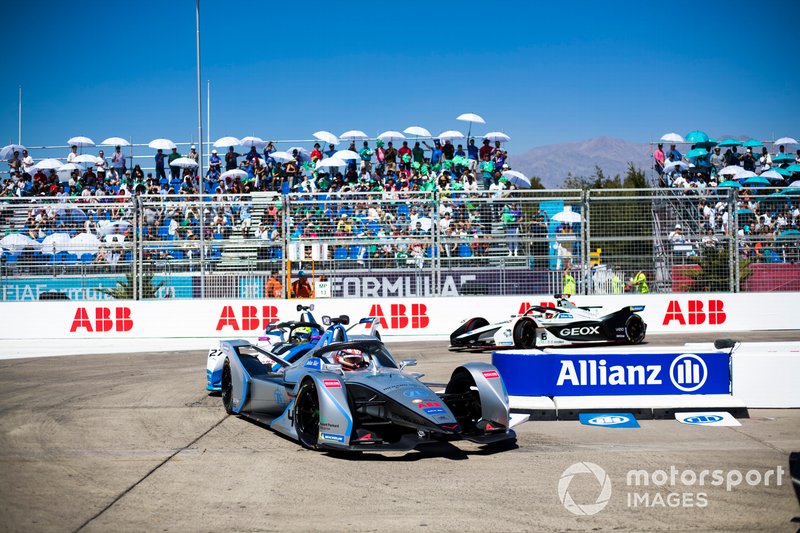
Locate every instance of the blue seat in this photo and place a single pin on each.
(60, 257)
(218, 236)
(11, 258)
(340, 253)
(87, 258)
(177, 254)
(71, 258)
(402, 209)
(464, 250)
(277, 253)
(355, 250)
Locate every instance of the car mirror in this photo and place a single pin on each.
(311, 307)
(407, 362)
(326, 320)
(344, 320)
(299, 308)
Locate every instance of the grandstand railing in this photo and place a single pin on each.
(398, 244)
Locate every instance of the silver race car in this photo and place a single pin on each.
(348, 393)
(564, 324)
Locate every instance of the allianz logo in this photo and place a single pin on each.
(687, 372)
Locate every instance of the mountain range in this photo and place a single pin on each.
(553, 163)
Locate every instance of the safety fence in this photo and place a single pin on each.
(392, 244)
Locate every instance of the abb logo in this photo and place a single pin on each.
(696, 313)
(250, 318)
(399, 318)
(105, 319)
(527, 305)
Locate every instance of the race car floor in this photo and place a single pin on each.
(134, 443)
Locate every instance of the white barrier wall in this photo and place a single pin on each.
(401, 318)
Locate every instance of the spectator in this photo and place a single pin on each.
(231, 159)
(568, 281)
(404, 154)
(487, 168)
(391, 158)
(486, 149)
(160, 172)
(193, 153)
(118, 163)
(748, 161)
(676, 235)
(765, 161)
(175, 172)
(301, 288)
(72, 154)
(366, 156)
(214, 162)
(638, 283)
(472, 156)
(316, 154)
(658, 155)
(717, 161)
(273, 286)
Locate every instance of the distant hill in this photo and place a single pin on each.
(553, 162)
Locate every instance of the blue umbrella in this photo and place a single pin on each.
(752, 143)
(730, 184)
(730, 142)
(783, 158)
(757, 181)
(708, 144)
(697, 152)
(789, 235)
(793, 168)
(695, 137)
(782, 171)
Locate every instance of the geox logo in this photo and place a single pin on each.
(593, 372)
(586, 330)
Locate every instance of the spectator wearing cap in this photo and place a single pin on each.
(486, 150)
(214, 162)
(676, 236)
(659, 157)
(301, 288)
(674, 154)
(118, 163)
(174, 171)
(193, 153)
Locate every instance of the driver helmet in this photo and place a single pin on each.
(350, 359)
(300, 335)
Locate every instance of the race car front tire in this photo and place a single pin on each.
(227, 388)
(306, 415)
(470, 325)
(525, 334)
(634, 329)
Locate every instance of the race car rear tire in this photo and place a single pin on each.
(227, 388)
(306, 415)
(525, 334)
(470, 325)
(634, 329)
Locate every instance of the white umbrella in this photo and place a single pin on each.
(518, 179)
(226, 142)
(391, 136)
(417, 131)
(672, 138)
(118, 227)
(326, 137)
(450, 135)
(330, 162)
(567, 215)
(48, 164)
(771, 175)
(83, 243)
(682, 165)
(353, 135)
(16, 242)
(785, 140)
(795, 184)
(497, 136)
(282, 157)
(80, 141)
(69, 167)
(7, 152)
(161, 144)
(183, 162)
(744, 174)
(258, 142)
(471, 117)
(302, 153)
(86, 158)
(55, 242)
(730, 170)
(234, 173)
(115, 141)
(346, 155)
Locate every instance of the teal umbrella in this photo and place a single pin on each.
(695, 137)
(783, 158)
(757, 181)
(730, 184)
(752, 143)
(782, 171)
(777, 193)
(745, 212)
(730, 142)
(697, 152)
(710, 143)
(789, 235)
(793, 168)
(791, 191)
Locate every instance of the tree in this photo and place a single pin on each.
(536, 183)
(124, 289)
(713, 272)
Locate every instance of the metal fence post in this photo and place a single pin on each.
(733, 274)
(585, 243)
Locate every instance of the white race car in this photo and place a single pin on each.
(561, 325)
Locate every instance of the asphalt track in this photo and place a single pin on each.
(132, 442)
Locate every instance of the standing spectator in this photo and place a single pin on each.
(160, 173)
(26, 162)
(390, 157)
(472, 155)
(748, 161)
(73, 153)
(101, 160)
(510, 218)
(366, 156)
(301, 288)
(659, 157)
(765, 161)
(717, 161)
(273, 288)
(316, 153)
(487, 168)
(674, 154)
(214, 162)
(118, 163)
(404, 153)
(638, 283)
(175, 172)
(193, 153)
(568, 281)
(732, 157)
(231, 159)
(436, 152)
(486, 149)
(418, 154)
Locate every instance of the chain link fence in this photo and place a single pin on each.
(387, 244)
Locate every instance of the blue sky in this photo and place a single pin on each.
(543, 72)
